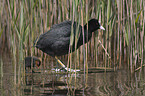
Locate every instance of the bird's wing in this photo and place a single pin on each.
(56, 34)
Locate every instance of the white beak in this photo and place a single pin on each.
(101, 27)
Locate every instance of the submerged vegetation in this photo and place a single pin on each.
(122, 43)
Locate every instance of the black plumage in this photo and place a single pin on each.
(29, 59)
(56, 41)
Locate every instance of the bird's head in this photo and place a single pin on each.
(94, 25)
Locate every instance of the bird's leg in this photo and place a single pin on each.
(67, 69)
(60, 62)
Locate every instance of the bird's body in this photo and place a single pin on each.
(56, 41)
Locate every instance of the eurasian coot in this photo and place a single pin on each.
(29, 59)
(56, 41)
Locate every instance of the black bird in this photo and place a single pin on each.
(29, 59)
(56, 41)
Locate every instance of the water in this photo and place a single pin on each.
(119, 83)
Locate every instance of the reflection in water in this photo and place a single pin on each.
(51, 84)
(101, 84)
(121, 82)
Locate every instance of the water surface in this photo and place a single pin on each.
(46, 83)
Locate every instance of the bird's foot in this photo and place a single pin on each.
(71, 70)
(65, 70)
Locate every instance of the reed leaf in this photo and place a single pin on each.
(108, 10)
(1, 32)
(21, 18)
(25, 33)
(138, 16)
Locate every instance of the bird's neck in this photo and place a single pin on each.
(88, 28)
